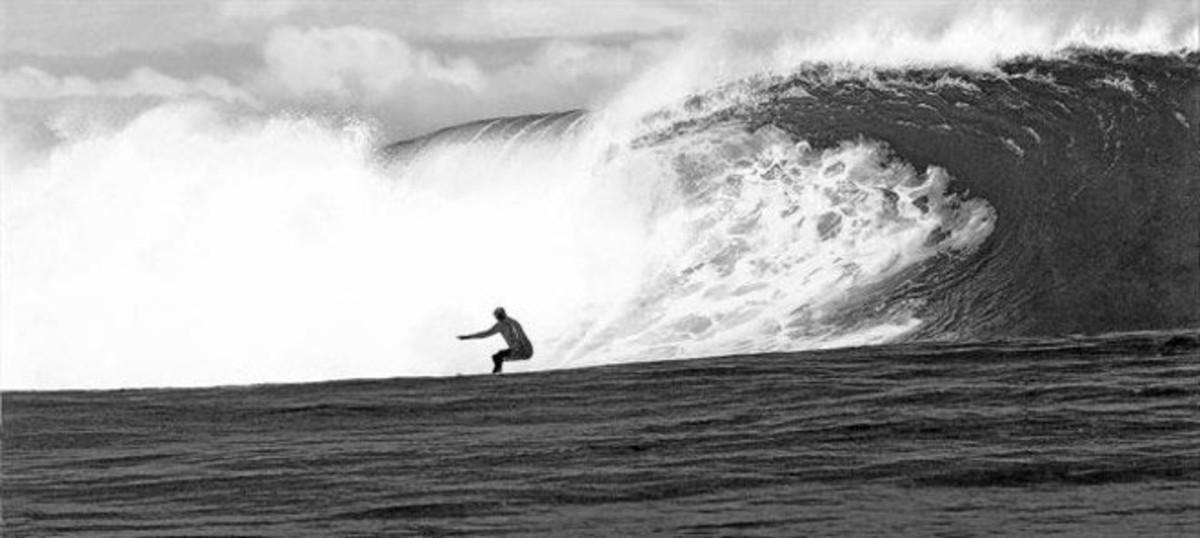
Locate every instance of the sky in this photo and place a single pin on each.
(414, 66)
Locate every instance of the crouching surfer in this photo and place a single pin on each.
(519, 348)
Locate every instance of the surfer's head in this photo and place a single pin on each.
(499, 313)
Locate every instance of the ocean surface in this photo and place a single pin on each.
(1081, 436)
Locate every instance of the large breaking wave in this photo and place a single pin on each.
(746, 238)
(842, 206)
(829, 206)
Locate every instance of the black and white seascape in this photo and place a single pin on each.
(784, 269)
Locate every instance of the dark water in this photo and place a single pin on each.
(1091, 160)
(1081, 436)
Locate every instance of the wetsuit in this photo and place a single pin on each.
(519, 347)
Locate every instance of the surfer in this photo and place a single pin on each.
(519, 347)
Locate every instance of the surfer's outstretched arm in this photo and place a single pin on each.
(482, 334)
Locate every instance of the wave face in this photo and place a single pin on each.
(837, 206)
(1091, 163)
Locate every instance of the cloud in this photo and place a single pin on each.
(264, 10)
(578, 71)
(557, 19)
(413, 88)
(101, 28)
(352, 62)
(408, 88)
(31, 83)
(571, 60)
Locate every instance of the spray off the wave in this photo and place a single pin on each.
(192, 248)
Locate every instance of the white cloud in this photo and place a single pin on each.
(265, 10)
(573, 59)
(560, 19)
(31, 83)
(410, 89)
(577, 69)
(100, 28)
(354, 63)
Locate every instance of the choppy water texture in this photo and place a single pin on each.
(1086, 436)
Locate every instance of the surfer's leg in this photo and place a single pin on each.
(498, 359)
